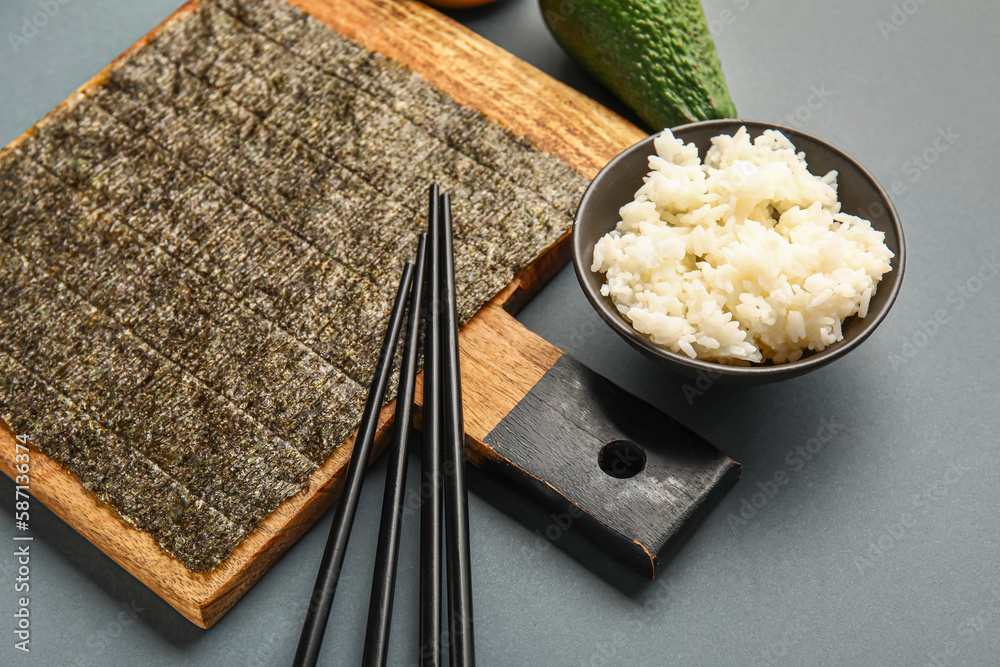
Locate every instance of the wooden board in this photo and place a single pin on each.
(501, 360)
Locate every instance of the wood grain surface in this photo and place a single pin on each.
(501, 359)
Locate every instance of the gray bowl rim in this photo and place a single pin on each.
(605, 308)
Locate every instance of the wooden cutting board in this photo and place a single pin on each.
(511, 378)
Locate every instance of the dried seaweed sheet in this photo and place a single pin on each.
(198, 256)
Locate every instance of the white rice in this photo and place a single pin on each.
(743, 258)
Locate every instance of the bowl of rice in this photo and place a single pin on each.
(743, 251)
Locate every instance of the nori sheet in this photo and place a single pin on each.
(198, 257)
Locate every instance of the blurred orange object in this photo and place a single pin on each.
(458, 4)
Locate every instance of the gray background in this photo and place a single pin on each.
(882, 546)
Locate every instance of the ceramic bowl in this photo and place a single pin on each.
(859, 193)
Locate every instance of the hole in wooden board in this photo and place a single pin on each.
(622, 459)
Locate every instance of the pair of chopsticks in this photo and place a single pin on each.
(444, 438)
(429, 288)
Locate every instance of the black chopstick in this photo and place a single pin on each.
(432, 504)
(456, 505)
(318, 611)
(380, 606)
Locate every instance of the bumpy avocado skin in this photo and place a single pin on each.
(656, 55)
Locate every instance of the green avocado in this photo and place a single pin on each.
(656, 55)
